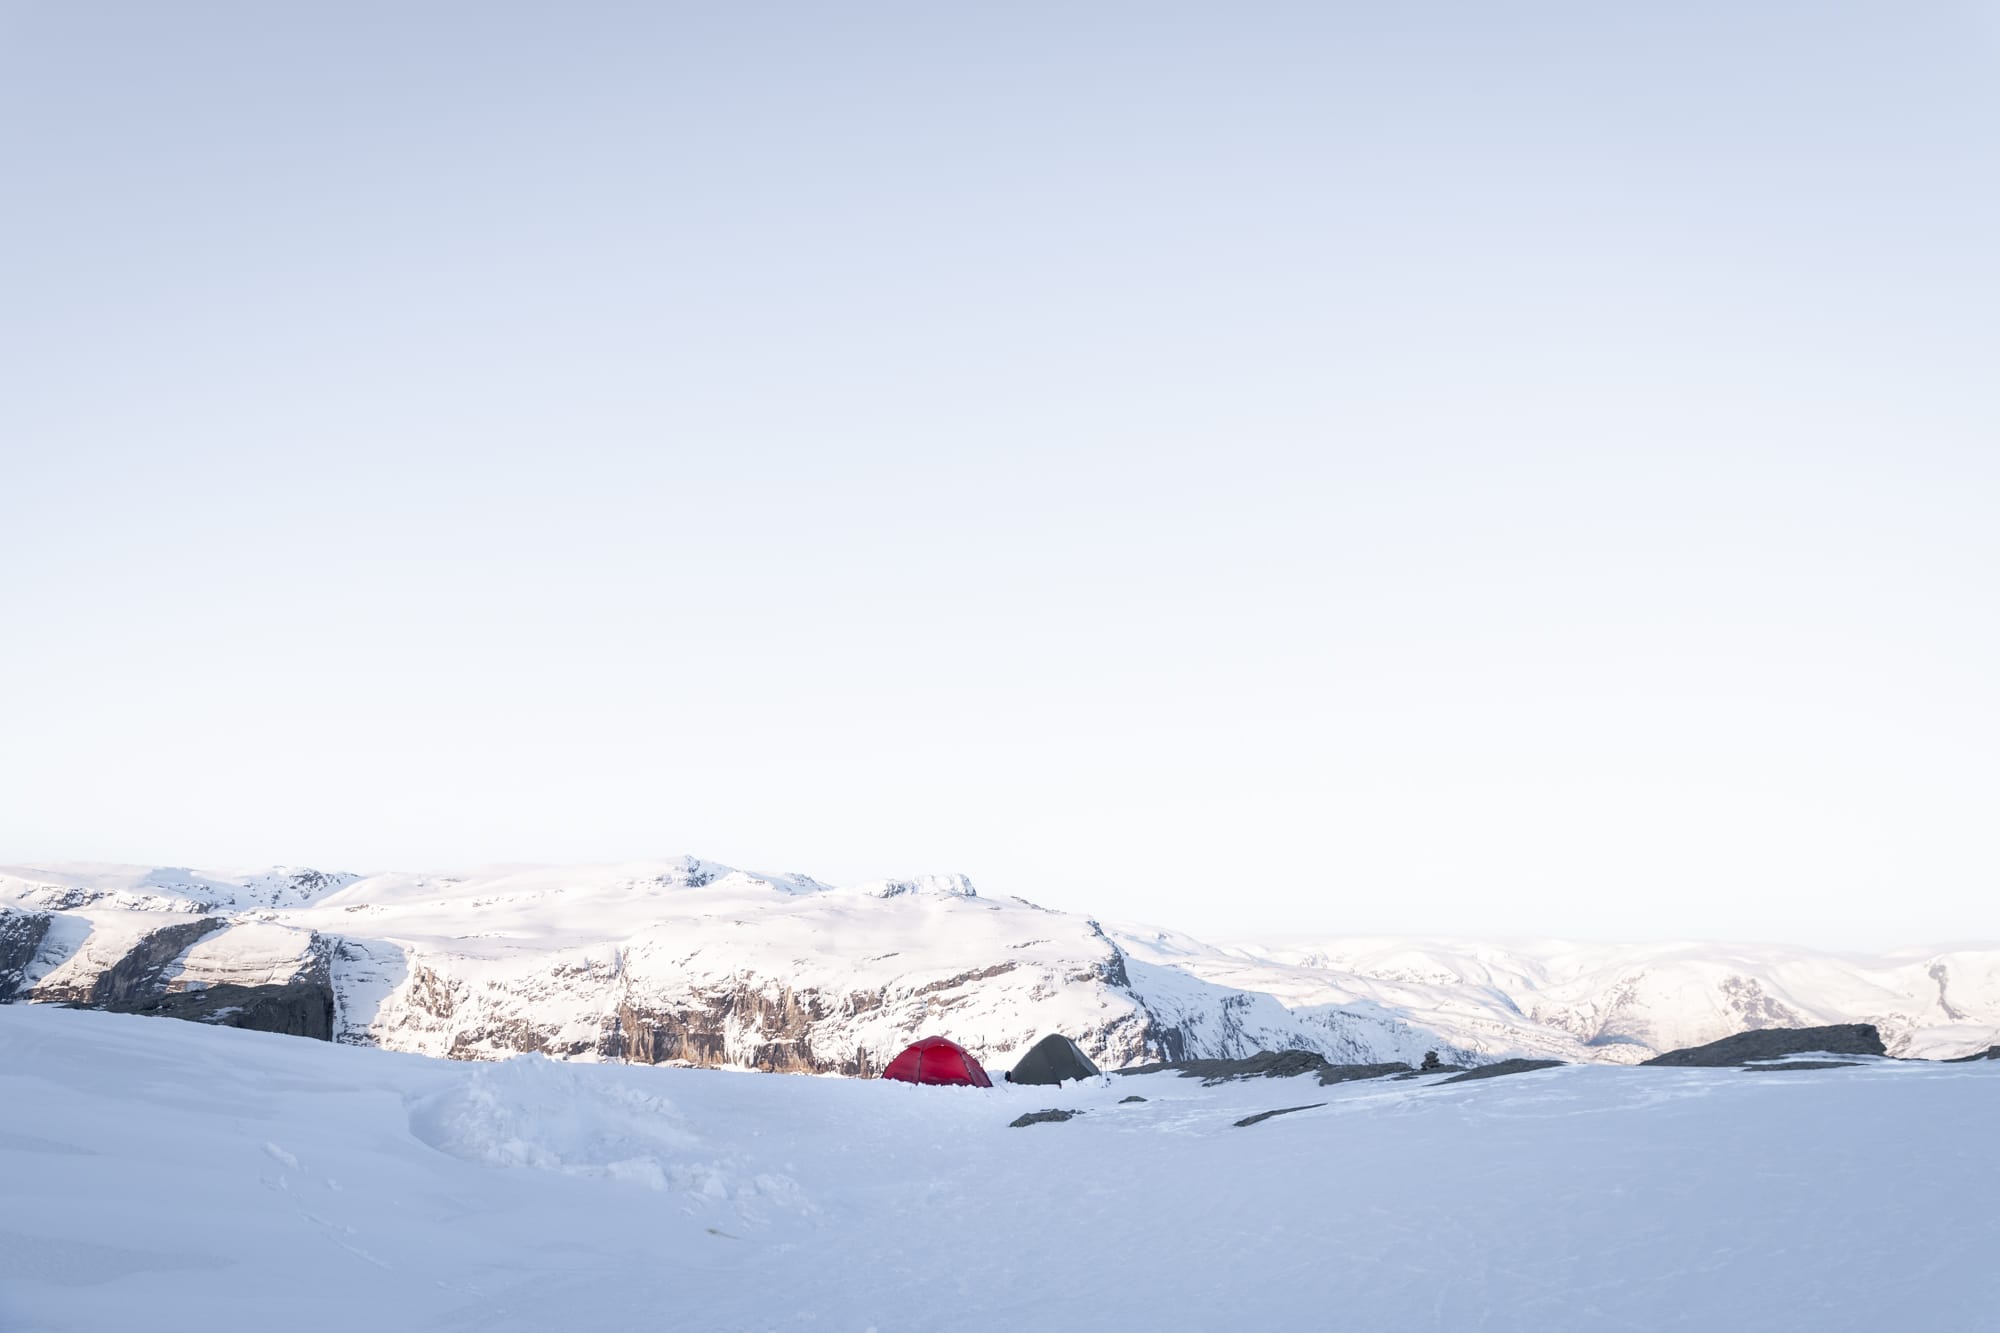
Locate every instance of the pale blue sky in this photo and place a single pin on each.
(1472, 469)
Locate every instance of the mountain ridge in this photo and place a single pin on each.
(692, 961)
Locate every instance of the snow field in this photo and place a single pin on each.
(178, 1177)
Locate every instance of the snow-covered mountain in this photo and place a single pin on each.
(680, 960)
(1609, 1003)
(689, 961)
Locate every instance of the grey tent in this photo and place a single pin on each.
(1053, 1059)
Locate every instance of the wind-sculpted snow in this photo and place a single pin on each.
(181, 1179)
(690, 961)
(534, 1113)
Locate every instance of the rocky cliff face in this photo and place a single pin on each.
(148, 950)
(21, 936)
(282, 983)
(127, 969)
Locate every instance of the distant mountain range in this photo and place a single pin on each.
(687, 960)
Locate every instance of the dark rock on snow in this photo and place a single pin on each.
(1802, 1064)
(1776, 1043)
(1283, 1110)
(1124, 1100)
(1500, 1069)
(1271, 1064)
(1041, 1118)
(1352, 1073)
(1264, 1064)
(1990, 1053)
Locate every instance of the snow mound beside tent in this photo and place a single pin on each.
(541, 1114)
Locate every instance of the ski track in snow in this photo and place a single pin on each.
(177, 1177)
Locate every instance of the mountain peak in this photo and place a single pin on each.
(939, 886)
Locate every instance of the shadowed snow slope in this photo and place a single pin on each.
(176, 1178)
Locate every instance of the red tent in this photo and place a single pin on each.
(937, 1060)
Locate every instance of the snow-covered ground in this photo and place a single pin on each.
(171, 1176)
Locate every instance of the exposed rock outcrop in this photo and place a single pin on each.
(1264, 1064)
(1041, 1118)
(1500, 1069)
(1262, 1116)
(134, 976)
(1776, 1043)
(1793, 1066)
(780, 1018)
(21, 936)
(1274, 1064)
(300, 1008)
(1355, 1073)
(267, 978)
(273, 981)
